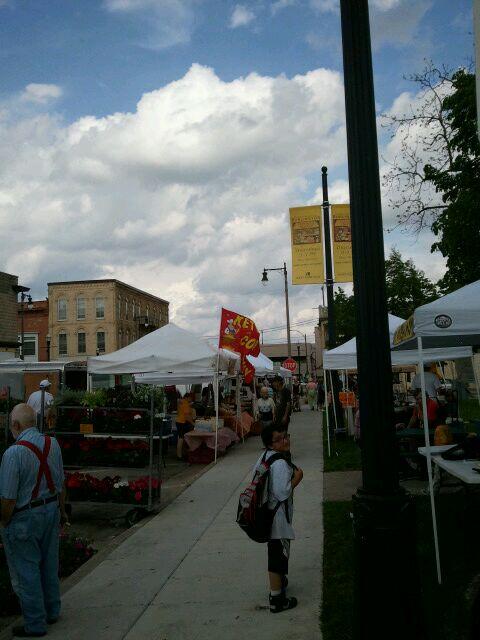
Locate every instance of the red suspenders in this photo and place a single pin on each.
(44, 469)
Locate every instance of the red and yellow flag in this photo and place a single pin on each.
(239, 334)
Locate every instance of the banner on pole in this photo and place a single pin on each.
(239, 334)
(342, 243)
(307, 245)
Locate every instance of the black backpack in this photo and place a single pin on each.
(253, 514)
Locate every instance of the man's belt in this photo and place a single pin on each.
(36, 503)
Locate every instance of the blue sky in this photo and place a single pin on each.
(98, 58)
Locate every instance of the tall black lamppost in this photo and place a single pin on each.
(48, 340)
(386, 598)
(287, 309)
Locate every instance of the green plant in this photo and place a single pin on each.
(92, 399)
(69, 397)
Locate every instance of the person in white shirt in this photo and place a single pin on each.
(35, 400)
(432, 383)
(265, 407)
(284, 477)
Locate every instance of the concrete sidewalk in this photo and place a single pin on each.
(192, 574)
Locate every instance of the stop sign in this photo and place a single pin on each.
(289, 364)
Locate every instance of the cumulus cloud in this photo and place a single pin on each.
(41, 93)
(162, 23)
(241, 16)
(186, 197)
(277, 6)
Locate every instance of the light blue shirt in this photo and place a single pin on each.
(19, 469)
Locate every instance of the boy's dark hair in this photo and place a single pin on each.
(268, 431)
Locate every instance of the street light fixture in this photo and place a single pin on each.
(48, 340)
(287, 309)
(23, 296)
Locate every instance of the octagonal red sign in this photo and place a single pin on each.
(289, 364)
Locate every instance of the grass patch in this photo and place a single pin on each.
(446, 609)
(346, 455)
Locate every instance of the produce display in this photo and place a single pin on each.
(77, 450)
(85, 487)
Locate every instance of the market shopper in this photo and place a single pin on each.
(266, 408)
(35, 401)
(283, 402)
(32, 508)
(185, 421)
(284, 477)
(312, 394)
(432, 383)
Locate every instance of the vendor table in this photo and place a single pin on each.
(226, 437)
(461, 469)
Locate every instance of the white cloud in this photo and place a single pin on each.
(186, 197)
(392, 21)
(163, 23)
(279, 5)
(242, 16)
(41, 93)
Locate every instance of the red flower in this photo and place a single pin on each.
(138, 496)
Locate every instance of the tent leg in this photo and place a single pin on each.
(327, 413)
(216, 409)
(429, 460)
(150, 470)
(334, 403)
(477, 381)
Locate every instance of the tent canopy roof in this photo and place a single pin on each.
(452, 320)
(345, 356)
(167, 350)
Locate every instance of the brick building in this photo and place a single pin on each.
(90, 317)
(35, 330)
(9, 290)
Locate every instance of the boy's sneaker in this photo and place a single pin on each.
(281, 603)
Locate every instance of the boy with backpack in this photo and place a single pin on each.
(266, 509)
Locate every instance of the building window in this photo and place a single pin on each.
(101, 341)
(119, 308)
(128, 339)
(100, 308)
(81, 342)
(81, 307)
(126, 309)
(119, 346)
(133, 310)
(62, 344)
(138, 310)
(30, 346)
(62, 309)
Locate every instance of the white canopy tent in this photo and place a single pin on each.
(449, 321)
(264, 366)
(169, 355)
(167, 350)
(345, 356)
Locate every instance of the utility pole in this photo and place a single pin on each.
(328, 260)
(386, 582)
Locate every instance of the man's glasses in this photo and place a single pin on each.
(286, 436)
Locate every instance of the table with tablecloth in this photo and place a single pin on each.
(226, 437)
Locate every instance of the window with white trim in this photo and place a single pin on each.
(81, 308)
(81, 342)
(61, 309)
(101, 341)
(99, 308)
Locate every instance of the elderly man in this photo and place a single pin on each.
(32, 508)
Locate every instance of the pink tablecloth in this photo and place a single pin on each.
(226, 437)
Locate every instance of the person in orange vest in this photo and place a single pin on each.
(185, 421)
(32, 494)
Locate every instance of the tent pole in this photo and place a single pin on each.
(152, 395)
(327, 413)
(477, 381)
(237, 394)
(429, 459)
(334, 403)
(216, 406)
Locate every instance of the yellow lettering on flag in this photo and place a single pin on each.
(307, 245)
(342, 243)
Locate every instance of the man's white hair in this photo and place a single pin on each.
(24, 415)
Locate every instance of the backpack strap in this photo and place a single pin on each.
(270, 461)
(44, 469)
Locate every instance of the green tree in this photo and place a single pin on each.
(344, 306)
(458, 225)
(434, 178)
(407, 286)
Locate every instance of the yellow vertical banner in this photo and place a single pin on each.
(342, 243)
(307, 245)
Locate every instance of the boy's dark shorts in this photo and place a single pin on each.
(277, 560)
